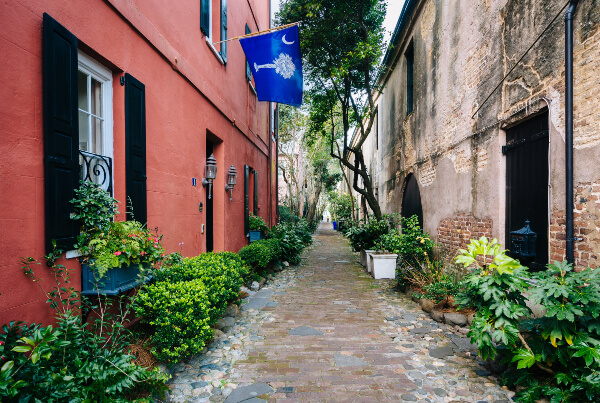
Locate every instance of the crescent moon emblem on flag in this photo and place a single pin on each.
(286, 42)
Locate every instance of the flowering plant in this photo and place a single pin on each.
(124, 242)
(257, 223)
(105, 243)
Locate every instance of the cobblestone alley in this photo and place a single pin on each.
(326, 331)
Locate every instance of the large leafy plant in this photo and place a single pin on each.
(556, 355)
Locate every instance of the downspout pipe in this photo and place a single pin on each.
(569, 129)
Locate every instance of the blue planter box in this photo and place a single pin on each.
(255, 235)
(114, 282)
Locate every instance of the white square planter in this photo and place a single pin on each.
(367, 259)
(383, 265)
(363, 256)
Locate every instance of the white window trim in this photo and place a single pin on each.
(214, 50)
(90, 66)
(209, 37)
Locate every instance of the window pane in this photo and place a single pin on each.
(84, 131)
(96, 97)
(82, 95)
(96, 136)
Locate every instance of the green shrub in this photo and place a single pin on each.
(69, 363)
(413, 246)
(440, 290)
(259, 254)
(222, 273)
(292, 238)
(180, 313)
(556, 356)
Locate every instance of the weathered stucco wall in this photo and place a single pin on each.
(462, 50)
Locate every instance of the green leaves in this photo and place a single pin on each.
(591, 354)
(564, 342)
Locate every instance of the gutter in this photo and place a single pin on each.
(569, 129)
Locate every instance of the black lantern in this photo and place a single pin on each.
(231, 180)
(210, 173)
(524, 241)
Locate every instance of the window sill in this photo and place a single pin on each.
(72, 254)
(215, 51)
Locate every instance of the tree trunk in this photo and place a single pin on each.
(312, 207)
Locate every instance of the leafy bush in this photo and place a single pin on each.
(413, 246)
(441, 290)
(180, 313)
(187, 298)
(292, 239)
(77, 361)
(556, 356)
(259, 254)
(68, 364)
(365, 235)
(222, 273)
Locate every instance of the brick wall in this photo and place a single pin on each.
(586, 226)
(456, 232)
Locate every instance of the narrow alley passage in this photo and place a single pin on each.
(338, 335)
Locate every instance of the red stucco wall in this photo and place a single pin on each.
(188, 93)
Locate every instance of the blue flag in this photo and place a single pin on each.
(276, 65)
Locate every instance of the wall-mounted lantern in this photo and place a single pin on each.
(231, 180)
(210, 173)
(524, 242)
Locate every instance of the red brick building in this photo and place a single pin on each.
(135, 94)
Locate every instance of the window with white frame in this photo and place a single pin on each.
(94, 101)
(213, 23)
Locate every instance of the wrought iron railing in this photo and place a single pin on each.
(96, 168)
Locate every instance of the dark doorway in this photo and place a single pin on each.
(526, 153)
(411, 199)
(209, 208)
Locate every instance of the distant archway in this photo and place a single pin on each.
(411, 199)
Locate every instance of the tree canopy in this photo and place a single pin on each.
(341, 43)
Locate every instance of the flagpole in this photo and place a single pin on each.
(259, 32)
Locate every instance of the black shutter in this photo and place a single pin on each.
(246, 199)
(248, 70)
(255, 207)
(61, 132)
(205, 16)
(224, 30)
(135, 147)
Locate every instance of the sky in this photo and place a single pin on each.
(394, 7)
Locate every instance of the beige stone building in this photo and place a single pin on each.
(479, 147)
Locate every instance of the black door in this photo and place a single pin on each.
(247, 170)
(411, 200)
(209, 208)
(135, 148)
(526, 153)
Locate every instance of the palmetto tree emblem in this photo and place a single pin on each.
(283, 65)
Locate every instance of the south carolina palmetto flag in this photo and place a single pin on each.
(276, 65)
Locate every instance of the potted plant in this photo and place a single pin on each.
(116, 255)
(382, 262)
(258, 228)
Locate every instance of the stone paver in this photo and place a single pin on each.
(326, 331)
(376, 344)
